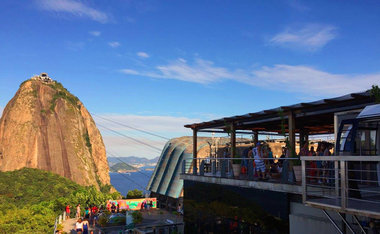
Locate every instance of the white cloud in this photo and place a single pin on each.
(114, 44)
(75, 45)
(95, 33)
(310, 37)
(129, 71)
(166, 126)
(311, 81)
(143, 55)
(72, 7)
(202, 71)
(297, 79)
(297, 5)
(1, 111)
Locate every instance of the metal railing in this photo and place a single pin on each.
(344, 183)
(58, 220)
(276, 169)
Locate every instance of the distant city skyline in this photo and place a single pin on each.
(157, 65)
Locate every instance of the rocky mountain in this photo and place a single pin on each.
(44, 126)
(133, 160)
(122, 167)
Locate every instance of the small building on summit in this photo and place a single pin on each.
(44, 77)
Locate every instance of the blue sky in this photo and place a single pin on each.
(160, 64)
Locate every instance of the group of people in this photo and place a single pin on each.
(146, 205)
(113, 207)
(320, 170)
(82, 224)
(264, 163)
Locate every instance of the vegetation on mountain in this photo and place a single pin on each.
(121, 167)
(31, 199)
(134, 194)
(63, 93)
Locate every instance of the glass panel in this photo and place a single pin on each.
(345, 133)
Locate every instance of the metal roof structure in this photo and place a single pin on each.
(165, 179)
(314, 117)
(370, 111)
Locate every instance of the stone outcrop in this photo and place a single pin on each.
(44, 126)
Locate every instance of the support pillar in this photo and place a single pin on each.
(304, 137)
(233, 140)
(292, 133)
(255, 137)
(195, 148)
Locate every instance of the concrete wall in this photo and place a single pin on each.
(304, 219)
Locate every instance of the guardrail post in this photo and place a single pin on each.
(303, 168)
(250, 169)
(336, 170)
(195, 168)
(343, 183)
(184, 167)
(223, 168)
(213, 167)
(202, 168)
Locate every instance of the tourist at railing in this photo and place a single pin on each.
(305, 152)
(270, 155)
(328, 165)
(244, 162)
(260, 165)
(319, 164)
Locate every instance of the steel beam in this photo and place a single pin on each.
(333, 222)
(345, 222)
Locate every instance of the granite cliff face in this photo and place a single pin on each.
(44, 126)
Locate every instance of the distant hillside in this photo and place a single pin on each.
(132, 160)
(122, 167)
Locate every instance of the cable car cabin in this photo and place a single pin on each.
(361, 137)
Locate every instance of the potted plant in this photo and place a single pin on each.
(297, 169)
(236, 166)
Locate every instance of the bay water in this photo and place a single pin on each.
(123, 182)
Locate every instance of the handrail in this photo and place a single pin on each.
(277, 170)
(245, 158)
(343, 183)
(341, 158)
(59, 219)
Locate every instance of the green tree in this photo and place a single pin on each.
(134, 194)
(31, 199)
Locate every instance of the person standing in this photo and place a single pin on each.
(260, 165)
(113, 208)
(85, 226)
(78, 212)
(79, 226)
(67, 211)
(151, 204)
